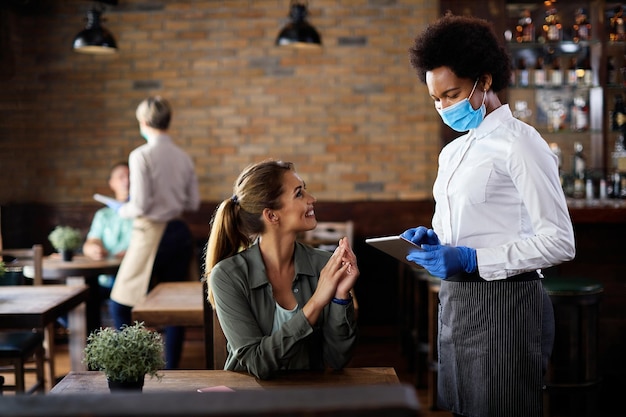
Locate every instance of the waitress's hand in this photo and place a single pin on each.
(421, 235)
(444, 261)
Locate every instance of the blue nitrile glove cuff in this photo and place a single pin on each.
(445, 261)
(467, 257)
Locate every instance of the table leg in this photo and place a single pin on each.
(78, 331)
(93, 303)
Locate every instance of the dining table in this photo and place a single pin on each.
(55, 269)
(221, 380)
(36, 306)
(171, 304)
(203, 393)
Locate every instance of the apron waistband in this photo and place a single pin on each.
(474, 277)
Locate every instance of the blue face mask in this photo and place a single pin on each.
(461, 116)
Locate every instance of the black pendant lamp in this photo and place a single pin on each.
(299, 32)
(94, 39)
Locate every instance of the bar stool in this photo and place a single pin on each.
(572, 379)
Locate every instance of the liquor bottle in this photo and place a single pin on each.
(539, 75)
(525, 29)
(611, 71)
(579, 115)
(556, 75)
(578, 170)
(556, 115)
(584, 73)
(522, 73)
(617, 30)
(552, 27)
(618, 115)
(582, 27)
(572, 76)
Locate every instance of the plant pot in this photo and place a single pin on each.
(124, 386)
(67, 255)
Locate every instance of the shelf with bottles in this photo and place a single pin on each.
(552, 66)
(563, 110)
(549, 22)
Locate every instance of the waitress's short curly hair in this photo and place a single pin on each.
(467, 45)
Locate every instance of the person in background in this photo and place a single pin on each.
(500, 216)
(109, 233)
(163, 185)
(282, 305)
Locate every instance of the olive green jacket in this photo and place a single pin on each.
(245, 308)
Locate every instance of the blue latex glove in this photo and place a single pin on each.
(421, 235)
(444, 261)
(115, 205)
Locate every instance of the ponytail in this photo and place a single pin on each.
(225, 238)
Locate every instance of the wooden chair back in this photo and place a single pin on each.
(215, 351)
(22, 257)
(327, 234)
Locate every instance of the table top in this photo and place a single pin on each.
(220, 380)
(54, 267)
(29, 306)
(172, 303)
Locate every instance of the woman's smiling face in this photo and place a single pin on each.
(296, 212)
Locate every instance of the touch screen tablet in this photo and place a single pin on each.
(396, 246)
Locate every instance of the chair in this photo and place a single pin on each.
(19, 346)
(327, 234)
(16, 350)
(214, 339)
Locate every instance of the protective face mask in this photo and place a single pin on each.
(143, 134)
(461, 116)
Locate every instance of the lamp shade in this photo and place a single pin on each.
(298, 32)
(94, 39)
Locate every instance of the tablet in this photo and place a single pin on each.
(104, 199)
(396, 246)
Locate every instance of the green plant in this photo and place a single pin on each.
(2, 268)
(65, 238)
(127, 354)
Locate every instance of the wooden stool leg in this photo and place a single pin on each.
(39, 362)
(50, 348)
(433, 328)
(19, 376)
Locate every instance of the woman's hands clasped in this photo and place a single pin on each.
(336, 279)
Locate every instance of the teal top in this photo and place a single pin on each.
(114, 232)
(245, 308)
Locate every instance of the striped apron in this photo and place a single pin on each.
(494, 341)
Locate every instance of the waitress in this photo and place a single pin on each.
(500, 217)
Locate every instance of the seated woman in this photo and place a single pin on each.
(282, 305)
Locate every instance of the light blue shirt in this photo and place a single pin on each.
(113, 230)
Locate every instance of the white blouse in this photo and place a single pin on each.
(498, 191)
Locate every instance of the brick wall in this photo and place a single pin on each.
(352, 115)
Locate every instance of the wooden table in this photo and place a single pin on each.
(28, 307)
(172, 304)
(55, 268)
(192, 380)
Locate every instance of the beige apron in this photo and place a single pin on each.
(133, 278)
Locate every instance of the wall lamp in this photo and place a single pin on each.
(95, 39)
(298, 32)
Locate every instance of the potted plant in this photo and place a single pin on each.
(65, 240)
(125, 356)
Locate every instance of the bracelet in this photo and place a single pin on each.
(342, 301)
